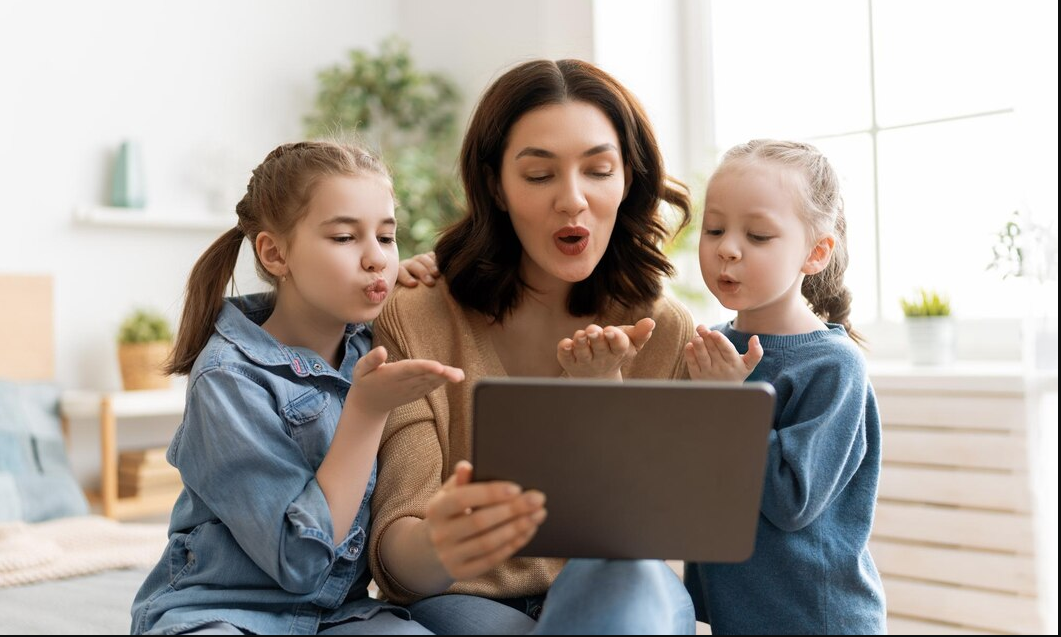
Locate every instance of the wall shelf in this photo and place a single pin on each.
(150, 218)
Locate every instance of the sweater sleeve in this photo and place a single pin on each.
(819, 441)
(409, 469)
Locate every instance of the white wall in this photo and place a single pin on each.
(474, 41)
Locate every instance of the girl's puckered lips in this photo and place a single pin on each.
(376, 292)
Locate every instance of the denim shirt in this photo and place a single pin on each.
(251, 537)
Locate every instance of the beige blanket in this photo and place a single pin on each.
(69, 547)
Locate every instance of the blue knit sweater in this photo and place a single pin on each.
(811, 571)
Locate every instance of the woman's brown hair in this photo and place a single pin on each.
(277, 196)
(480, 254)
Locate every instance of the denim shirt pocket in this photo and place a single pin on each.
(303, 417)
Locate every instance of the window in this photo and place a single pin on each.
(920, 105)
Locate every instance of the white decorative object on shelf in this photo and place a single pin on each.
(151, 218)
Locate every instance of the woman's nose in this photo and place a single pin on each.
(571, 200)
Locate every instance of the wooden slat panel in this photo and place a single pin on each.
(955, 527)
(977, 609)
(975, 489)
(907, 626)
(27, 340)
(966, 567)
(977, 450)
(966, 411)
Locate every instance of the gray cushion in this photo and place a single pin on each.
(35, 479)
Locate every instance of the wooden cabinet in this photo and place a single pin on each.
(110, 409)
(960, 519)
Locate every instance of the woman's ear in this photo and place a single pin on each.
(494, 184)
(819, 255)
(271, 251)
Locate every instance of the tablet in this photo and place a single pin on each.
(634, 469)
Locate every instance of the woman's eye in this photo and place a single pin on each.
(713, 232)
(537, 179)
(343, 238)
(602, 174)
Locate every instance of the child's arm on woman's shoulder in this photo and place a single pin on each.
(821, 439)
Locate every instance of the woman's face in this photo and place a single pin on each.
(562, 180)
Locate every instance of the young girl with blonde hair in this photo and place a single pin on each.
(774, 248)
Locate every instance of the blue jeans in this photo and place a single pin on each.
(641, 597)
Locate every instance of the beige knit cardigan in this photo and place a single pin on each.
(423, 440)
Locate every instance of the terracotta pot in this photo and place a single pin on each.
(141, 365)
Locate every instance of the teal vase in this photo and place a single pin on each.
(127, 187)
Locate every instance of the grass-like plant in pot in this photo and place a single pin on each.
(144, 342)
(930, 329)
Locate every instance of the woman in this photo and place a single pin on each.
(564, 183)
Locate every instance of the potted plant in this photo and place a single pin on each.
(144, 342)
(929, 327)
(1026, 251)
(410, 118)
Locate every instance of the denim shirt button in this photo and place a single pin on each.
(317, 367)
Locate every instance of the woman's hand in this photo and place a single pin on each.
(475, 527)
(422, 267)
(380, 386)
(597, 352)
(711, 356)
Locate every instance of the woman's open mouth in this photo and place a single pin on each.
(571, 240)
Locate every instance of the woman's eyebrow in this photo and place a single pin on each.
(532, 151)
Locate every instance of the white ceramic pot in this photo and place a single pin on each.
(931, 340)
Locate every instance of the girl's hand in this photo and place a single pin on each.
(380, 386)
(475, 527)
(422, 267)
(711, 356)
(597, 352)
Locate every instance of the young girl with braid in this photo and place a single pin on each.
(286, 404)
(774, 249)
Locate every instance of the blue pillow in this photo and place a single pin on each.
(35, 479)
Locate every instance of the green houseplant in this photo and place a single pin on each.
(409, 117)
(930, 330)
(1025, 250)
(144, 342)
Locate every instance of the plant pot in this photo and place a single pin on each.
(931, 340)
(141, 365)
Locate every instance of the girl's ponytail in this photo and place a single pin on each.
(825, 291)
(203, 299)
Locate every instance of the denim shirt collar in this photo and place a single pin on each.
(240, 323)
